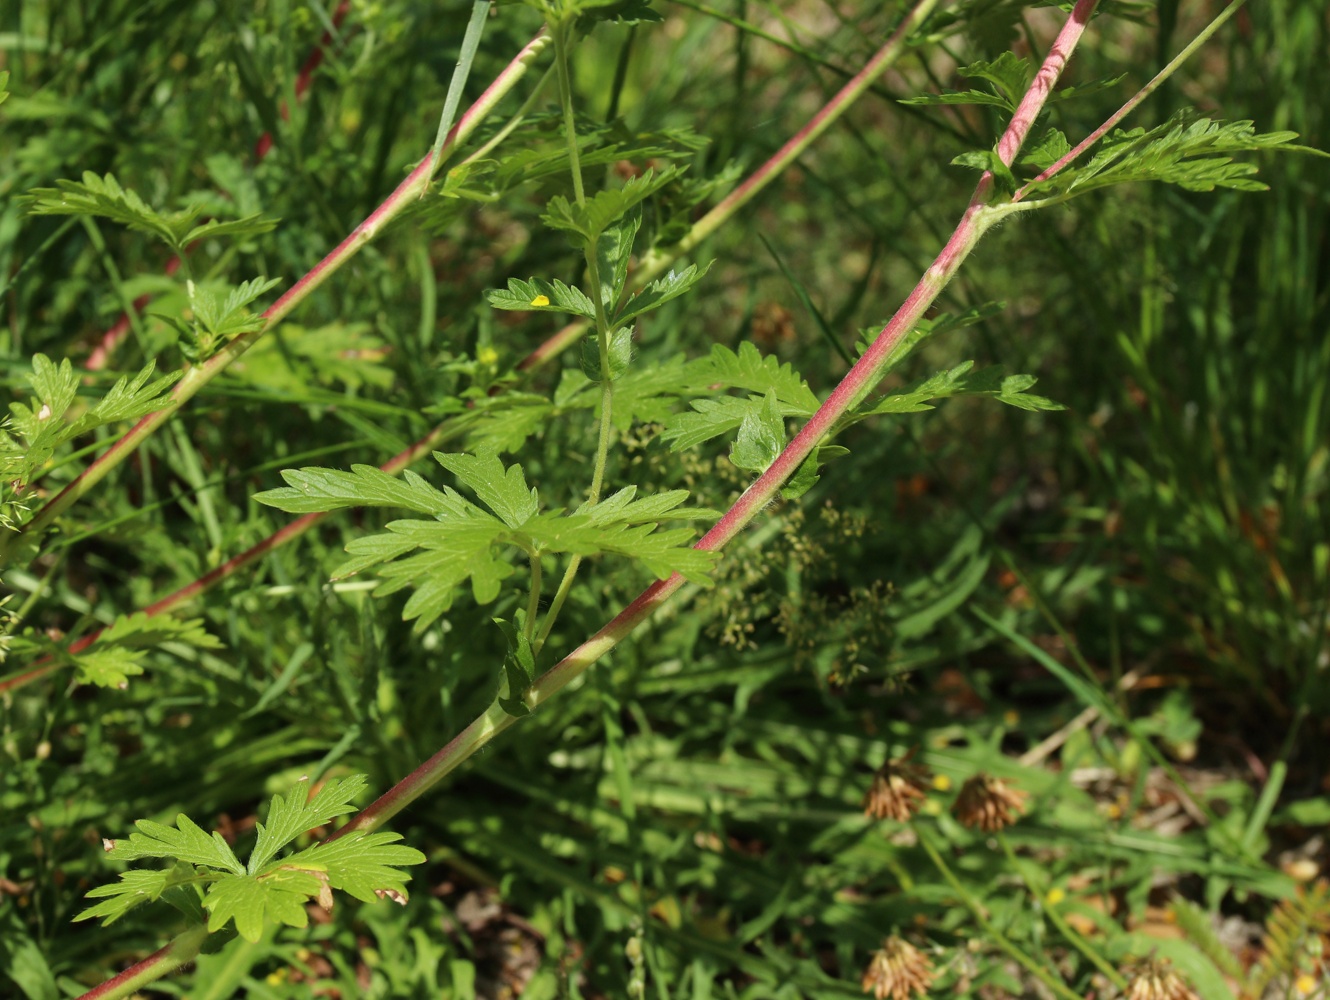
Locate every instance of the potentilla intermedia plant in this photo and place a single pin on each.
(489, 527)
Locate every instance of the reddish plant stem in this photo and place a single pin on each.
(552, 347)
(196, 378)
(160, 963)
(113, 337)
(1136, 98)
(852, 390)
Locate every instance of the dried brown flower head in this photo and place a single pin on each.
(988, 803)
(1154, 979)
(898, 970)
(897, 790)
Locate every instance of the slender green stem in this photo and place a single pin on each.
(981, 918)
(537, 92)
(556, 605)
(559, 30)
(533, 602)
(1074, 939)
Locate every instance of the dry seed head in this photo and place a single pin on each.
(1154, 979)
(897, 790)
(988, 803)
(898, 971)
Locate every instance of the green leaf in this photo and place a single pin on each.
(227, 318)
(1052, 147)
(4, 82)
(963, 381)
(142, 630)
(133, 889)
(662, 552)
(251, 902)
(987, 159)
(122, 648)
(748, 369)
(620, 356)
(519, 668)
(360, 864)
(660, 291)
(621, 508)
(103, 197)
(292, 814)
(761, 436)
(1008, 77)
(538, 295)
(187, 843)
(805, 477)
(590, 220)
(710, 418)
(504, 423)
(452, 552)
(270, 889)
(1193, 153)
(614, 248)
(251, 225)
(314, 489)
(503, 491)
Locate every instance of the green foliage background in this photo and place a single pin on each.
(966, 580)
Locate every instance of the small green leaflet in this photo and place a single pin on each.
(519, 668)
(660, 291)
(41, 422)
(761, 436)
(269, 888)
(468, 541)
(614, 249)
(1008, 77)
(587, 222)
(1194, 153)
(364, 486)
(226, 317)
(120, 650)
(619, 360)
(538, 295)
(103, 197)
(962, 381)
(776, 391)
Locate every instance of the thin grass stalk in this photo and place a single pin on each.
(196, 378)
